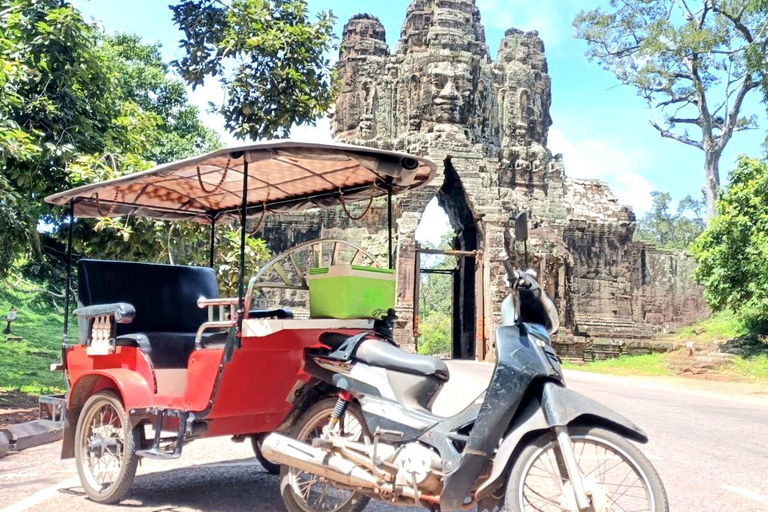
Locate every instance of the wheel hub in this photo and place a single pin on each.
(98, 446)
(597, 494)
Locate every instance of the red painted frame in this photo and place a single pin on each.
(249, 394)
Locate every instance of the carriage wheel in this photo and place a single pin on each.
(271, 467)
(105, 448)
(289, 270)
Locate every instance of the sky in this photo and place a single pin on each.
(600, 127)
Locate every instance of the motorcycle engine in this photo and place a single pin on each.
(420, 466)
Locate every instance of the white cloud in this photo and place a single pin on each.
(551, 18)
(614, 163)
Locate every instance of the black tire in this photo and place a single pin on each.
(271, 467)
(642, 467)
(357, 502)
(117, 489)
(4, 445)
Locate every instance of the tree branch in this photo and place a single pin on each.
(674, 136)
(733, 115)
(683, 120)
(736, 23)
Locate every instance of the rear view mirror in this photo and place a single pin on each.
(521, 227)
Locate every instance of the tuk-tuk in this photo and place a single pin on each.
(161, 359)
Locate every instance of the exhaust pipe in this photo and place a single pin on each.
(284, 450)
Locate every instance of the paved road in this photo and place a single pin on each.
(710, 450)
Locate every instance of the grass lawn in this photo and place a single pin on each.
(748, 368)
(651, 365)
(25, 365)
(743, 369)
(720, 327)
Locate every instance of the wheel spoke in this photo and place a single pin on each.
(318, 493)
(607, 474)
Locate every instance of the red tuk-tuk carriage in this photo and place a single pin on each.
(161, 359)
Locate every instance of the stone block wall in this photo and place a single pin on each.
(485, 122)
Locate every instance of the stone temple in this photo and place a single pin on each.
(485, 121)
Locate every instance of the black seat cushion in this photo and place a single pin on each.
(164, 296)
(168, 349)
(386, 355)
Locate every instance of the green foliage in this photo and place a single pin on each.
(268, 55)
(749, 368)
(435, 301)
(77, 106)
(143, 80)
(435, 332)
(256, 254)
(668, 230)
(732, 253)
(650, 365)
(721, 326)
(694, 62)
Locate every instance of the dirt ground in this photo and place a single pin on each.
(17, 407)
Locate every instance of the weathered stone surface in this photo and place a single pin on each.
(485, 122)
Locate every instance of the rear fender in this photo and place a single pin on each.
(559, 406)
(135, 393)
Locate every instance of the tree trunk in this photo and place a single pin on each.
(711, 181)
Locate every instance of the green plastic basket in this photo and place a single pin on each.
(350, 291)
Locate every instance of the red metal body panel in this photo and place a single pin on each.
(128, 368)
(202, 370)
(254, 389)
(251, 396)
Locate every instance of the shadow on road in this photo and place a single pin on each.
(220, 487)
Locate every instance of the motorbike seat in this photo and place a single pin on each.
(385, 355)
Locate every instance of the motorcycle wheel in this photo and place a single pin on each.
(616, 474)
(271, 467)
(105, 448)
(303, 492)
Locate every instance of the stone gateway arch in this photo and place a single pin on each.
(485, 121)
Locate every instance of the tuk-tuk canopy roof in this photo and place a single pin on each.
(283, 176)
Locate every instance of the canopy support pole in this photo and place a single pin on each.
(68, 285)
(389, 225)
(241, 274)
(212, 249)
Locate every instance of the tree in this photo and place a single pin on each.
(436, 301)
(435, 334)
(55, 104)
(668, 230)
(732, 253)
(271, 60)
(693, 61)
(143, 78)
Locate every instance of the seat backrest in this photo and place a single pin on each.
(165, 296)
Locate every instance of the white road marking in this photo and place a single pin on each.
(53, 491)
(743, 492)
(41, 496)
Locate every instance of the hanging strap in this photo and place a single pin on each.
(367, 208)
(98, 204)
(221, 181)
(261, 220)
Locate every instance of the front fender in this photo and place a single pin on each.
(135, 392)
(559, 406)
(563, 407)
(134, 389)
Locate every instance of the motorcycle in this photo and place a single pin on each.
(526, 443)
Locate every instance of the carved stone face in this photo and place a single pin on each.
(449, 87)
